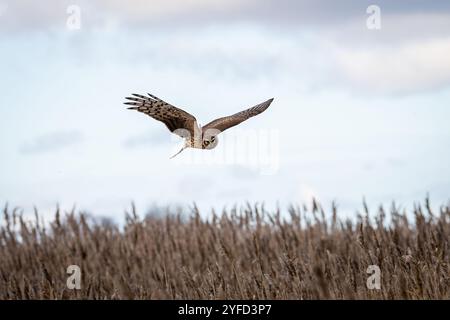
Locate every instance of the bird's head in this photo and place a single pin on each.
(209, 142)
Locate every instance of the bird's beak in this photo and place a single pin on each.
(178, 152)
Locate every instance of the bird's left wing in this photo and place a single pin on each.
(224, 123)
(175, 119)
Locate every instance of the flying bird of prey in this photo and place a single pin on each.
(185, 125)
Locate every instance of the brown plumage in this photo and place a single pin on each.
(185, 125)
(224, 123)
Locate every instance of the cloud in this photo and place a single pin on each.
(353, 58)
(33, 15)
(408, 68)
(407, 55)
(51, 142)
(384, 62)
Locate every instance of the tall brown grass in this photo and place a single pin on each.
(302, 253)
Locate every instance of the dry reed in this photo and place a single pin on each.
(240, 254)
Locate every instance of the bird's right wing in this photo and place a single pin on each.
(176, 120)
(224, 123)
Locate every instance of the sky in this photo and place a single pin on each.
(361, 103)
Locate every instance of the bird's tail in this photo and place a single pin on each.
(184, 147)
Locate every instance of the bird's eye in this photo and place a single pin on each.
(206, 142)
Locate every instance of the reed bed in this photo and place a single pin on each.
(246, 253)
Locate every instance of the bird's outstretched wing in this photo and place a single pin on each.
(224, 123)
(176, 120)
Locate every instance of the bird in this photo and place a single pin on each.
(185, 124)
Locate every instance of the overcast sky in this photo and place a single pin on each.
(358, 112)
